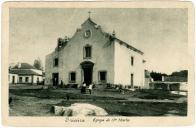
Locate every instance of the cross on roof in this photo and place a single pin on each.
(89, 14)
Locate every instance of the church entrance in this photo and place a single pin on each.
(87, 75)
(55, 79)
(87, 67)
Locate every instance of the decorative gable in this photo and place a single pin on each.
(89, 22)
(87, 30)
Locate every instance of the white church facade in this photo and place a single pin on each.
(92, 55)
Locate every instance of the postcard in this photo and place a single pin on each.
(98, 63)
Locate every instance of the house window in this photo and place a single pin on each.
(56, 62)
(87, 52)
(72, 77)
(20, 79)
(26, 79)
(37, 79)
(132, 80)
(132, 60)
(102, 76)
(13, 79)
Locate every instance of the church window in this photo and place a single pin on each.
(87, 34)
(56, 62)
(72, 77)
(87, 52)
(102, 76)
(132, 60)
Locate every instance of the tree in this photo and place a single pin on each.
(157, 76)
(182, 73)
(38, 64)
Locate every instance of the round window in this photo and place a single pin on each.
(87, 33)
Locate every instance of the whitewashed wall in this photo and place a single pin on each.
(23, 79)
(35, 79)
(111, 57)
(72, 55)
(123, 67)
(31, 79)
(11, 78)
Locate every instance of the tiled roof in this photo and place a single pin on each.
(23, 66)
(23, 72)
(129, 46)
(124, 43)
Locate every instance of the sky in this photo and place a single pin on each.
(162, 34)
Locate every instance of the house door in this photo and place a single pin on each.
(13, 79)
(55, 79)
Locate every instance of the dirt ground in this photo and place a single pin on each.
(30, 100)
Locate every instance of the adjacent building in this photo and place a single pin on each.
(24, 73)
(92, 55)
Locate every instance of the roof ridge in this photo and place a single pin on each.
(23, 65)
(23, 72)
(128, 45)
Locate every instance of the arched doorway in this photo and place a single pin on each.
(87, 67)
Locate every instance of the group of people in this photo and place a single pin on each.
(84, 87)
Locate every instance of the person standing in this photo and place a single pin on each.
(62, 84)
(90, 88)
(83, 89)
(84, 86)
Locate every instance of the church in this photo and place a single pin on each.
(93, 55)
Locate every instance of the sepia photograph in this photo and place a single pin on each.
(98, 61)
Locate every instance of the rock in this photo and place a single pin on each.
(84, 109)
(83, 112)
(67, 111)
(59, 110)
(79, 109)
